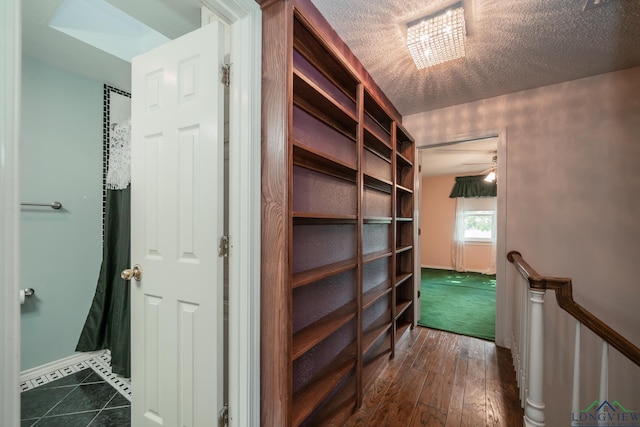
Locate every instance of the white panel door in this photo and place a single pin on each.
(176, 222)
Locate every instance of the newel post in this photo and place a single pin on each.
(534, 409)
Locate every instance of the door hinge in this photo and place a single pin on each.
(223, 416)
(223, 247)
(418, 293)
(225, 71)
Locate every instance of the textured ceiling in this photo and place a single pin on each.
(512, 45)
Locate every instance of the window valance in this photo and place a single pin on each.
(473, 186)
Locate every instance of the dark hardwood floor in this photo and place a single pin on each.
(439, 379)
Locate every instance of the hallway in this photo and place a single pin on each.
(440, 379)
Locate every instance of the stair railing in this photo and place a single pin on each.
(529, 359)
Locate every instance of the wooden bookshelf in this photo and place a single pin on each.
(310, 336)
(308, 398)
(370, 297)
(318, 273)
(338, 230)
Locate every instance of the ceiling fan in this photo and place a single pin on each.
(491, 171)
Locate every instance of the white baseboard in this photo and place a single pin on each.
(437, 267)
(440, 267)
(41, 370)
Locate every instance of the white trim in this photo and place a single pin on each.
(245, 18)
(503, 292)
(56, 365)
(477, 242)
(440, 267)
(10, 52)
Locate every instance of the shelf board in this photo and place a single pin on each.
(377, 141)
(402, 306)
(400, 249)
(370, 297)
(338, 404)
(308, 276)
(403, 136)
(301, 218)
(309, 337)
(401, 278)
(375, 256)
(310, 158)
(402, 160)
(315, 101)
(314, 51)
(402, 189)
(401, 327)
(372, 335)
(376, 219)
(403, 219)
(374, 110)
(378, 184)
(377, 153)
(306, 400)
(372, 365)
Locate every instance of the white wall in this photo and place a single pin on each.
(61, 160)
(573, 210)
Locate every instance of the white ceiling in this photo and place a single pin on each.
(512, 45)
(465, 158)
(172, 18)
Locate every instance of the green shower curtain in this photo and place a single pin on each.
(108, 322)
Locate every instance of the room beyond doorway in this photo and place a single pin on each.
(444, 223)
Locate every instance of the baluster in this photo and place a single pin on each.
(575, 402)
(534, 410)
(526, 329)
(604, 372)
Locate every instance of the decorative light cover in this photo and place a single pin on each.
(437, 39)
(491, 176)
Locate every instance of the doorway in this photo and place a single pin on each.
(244, 17)
(441, 164)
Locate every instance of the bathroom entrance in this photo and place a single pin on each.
(242, 17)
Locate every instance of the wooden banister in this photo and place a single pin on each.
(564, 297)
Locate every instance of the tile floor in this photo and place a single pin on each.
(80, 399)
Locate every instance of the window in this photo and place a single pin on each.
(479, 226)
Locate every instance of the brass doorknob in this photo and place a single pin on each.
(132, 273)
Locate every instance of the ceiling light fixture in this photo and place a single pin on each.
(437, 39)
(491, 176)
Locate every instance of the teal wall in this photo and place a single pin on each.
(60, 160)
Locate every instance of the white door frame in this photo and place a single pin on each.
(245, 18)
(10, 52)
(503, 293)
(245, 97)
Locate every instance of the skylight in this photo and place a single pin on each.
(105, 27)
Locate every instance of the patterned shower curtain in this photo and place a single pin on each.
(109, 319)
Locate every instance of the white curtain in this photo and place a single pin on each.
(457, 249)
(492, 260)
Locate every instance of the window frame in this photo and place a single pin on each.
(491, 213)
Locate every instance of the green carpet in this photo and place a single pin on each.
(463, 303)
